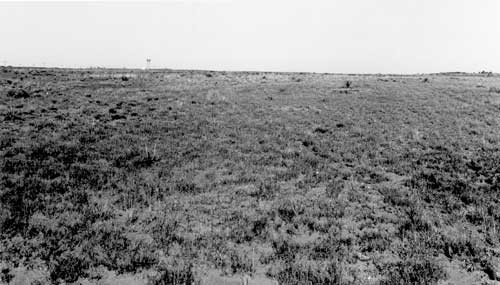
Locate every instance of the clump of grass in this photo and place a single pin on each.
(290, 208)
(266, 189)
(334, 188)
(311, 273)
(419, 271)
(137, 158)
(186, 186)
(175, 275)
(13, 115)
(415, 221)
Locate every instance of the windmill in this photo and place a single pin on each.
(148, 63)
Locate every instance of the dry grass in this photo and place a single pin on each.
(167, 175)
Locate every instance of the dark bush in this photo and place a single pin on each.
(18, 93)
(321, 130)
(494, 90)
(69, 267)
(490, 269)
(414, 222)
(6, 275)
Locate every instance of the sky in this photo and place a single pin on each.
(338, 36)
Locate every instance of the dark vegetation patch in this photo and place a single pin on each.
(18, 93)
(320, 130)
(494, 90)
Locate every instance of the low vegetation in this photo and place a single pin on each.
(163, 176)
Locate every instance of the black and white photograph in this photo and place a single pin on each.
(239, 142)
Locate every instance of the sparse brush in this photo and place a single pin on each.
(169, 190)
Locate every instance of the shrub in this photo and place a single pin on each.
(415, 221)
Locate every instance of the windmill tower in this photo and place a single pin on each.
(148, 63)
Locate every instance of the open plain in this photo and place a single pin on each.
(183, 177)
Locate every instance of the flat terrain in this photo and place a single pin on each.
(170, 177)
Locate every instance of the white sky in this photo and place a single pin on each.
(345, 36)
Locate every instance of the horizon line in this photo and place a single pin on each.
(488, 73)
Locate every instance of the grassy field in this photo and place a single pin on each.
(163, 177)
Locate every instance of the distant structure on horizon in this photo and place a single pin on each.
(148, 63)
